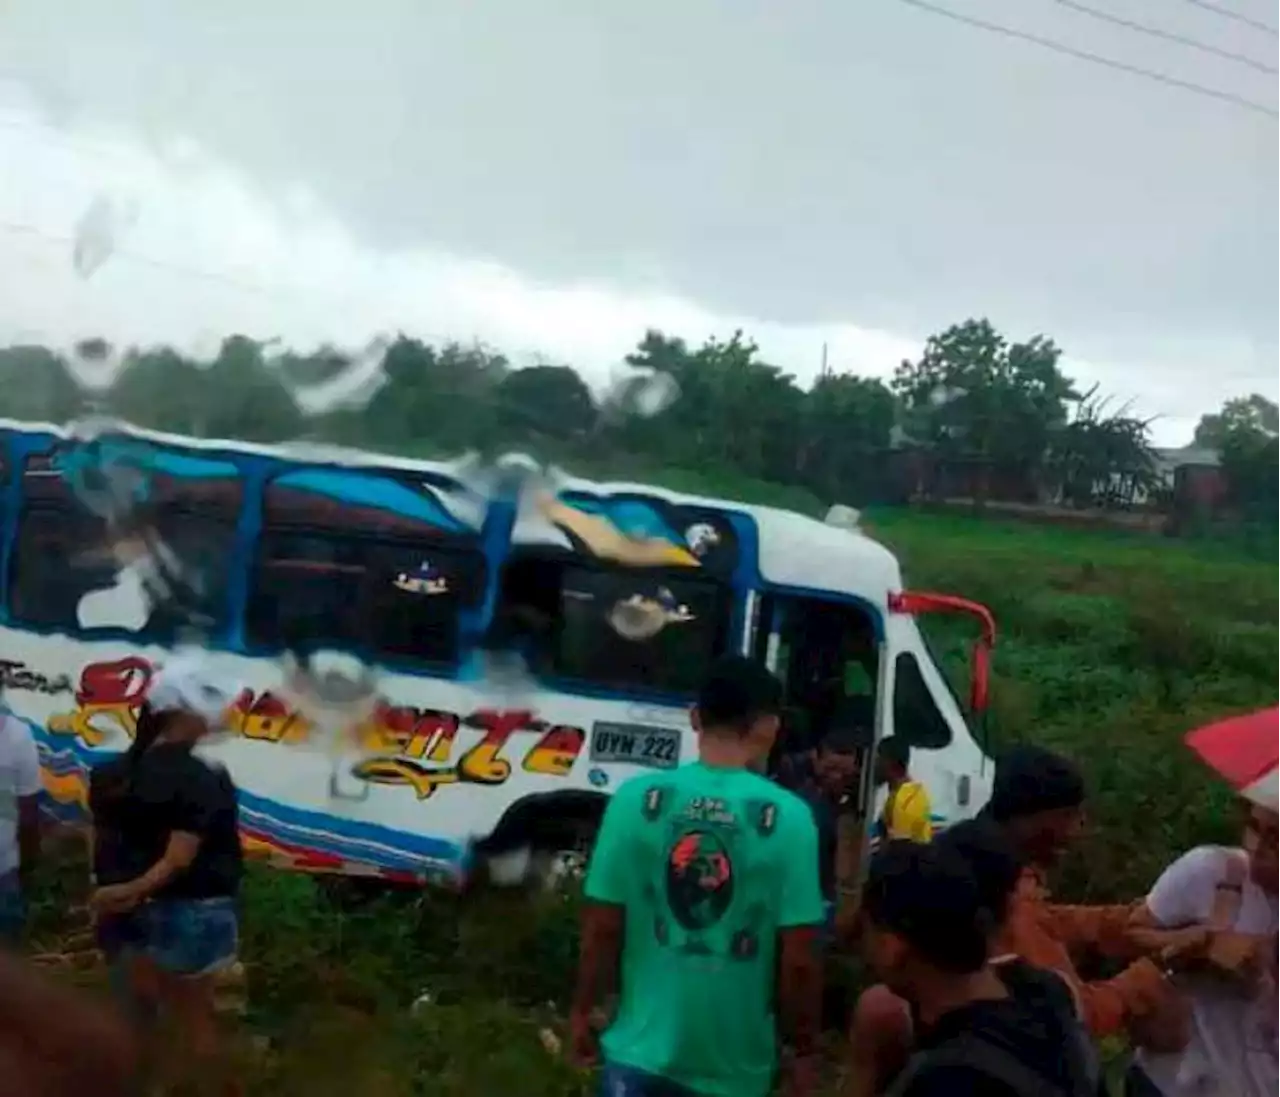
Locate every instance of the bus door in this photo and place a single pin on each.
(827, 656)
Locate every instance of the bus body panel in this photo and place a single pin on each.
(450, 758)
(450, 750)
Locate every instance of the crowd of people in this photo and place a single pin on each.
(708, 922)
(717, 896)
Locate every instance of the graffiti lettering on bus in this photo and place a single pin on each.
(422, 760)
(403, 744)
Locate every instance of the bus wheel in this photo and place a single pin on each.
(561, 853)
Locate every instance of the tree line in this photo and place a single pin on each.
(975, 415)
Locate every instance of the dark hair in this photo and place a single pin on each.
(895, 749)
(110, 781)
(841, 740)
(927, 895)
(1030, 779)
(992, 859)
(736, 693)
(146, 731)
(854, 720)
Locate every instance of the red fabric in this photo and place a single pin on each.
(1243, 748)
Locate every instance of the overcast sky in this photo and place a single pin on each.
(553, 176)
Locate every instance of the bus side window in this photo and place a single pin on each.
(332, 575)
(612, 628)
(916, 716)
(63, 553)
(58, 557)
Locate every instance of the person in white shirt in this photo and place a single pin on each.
(1231, 982)
(19, 821)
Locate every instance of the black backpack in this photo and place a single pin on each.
(969, 1049)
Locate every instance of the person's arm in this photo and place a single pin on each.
(850, 840)
(1140, 991)
(178, 854)
(1105, 930)
(27, 787)
(881, 1039)
(1183, 895)
(800, 920)
(1184, 898)
(607, 887)
(1167, 920)
(195, 800)
(1140, 998)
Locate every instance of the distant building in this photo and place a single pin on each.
(1168, 461)
(1193, 475)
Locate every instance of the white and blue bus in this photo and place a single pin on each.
(617, 596)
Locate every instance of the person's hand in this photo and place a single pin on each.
(1237, 954)
(801, 1075)
(584, 1038)
(1183, 946)
(114, 899)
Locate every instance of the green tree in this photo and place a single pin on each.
(35, 386)
(436, 402)
(544, 404)
(1103, 458)
(162, 390)
(974, 395)
(1250, 414)
(734, 411)
(245, 397)
(846, 430)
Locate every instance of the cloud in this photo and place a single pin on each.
(210, 251)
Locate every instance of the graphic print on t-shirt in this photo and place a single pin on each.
(700, 906)
(699, 879)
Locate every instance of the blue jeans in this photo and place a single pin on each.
(13, 909)
(619, 1080)
(190, 936)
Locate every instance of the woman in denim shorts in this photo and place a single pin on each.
(178, 833)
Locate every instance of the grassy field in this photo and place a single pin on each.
(1111, 647)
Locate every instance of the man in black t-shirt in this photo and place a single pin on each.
(826, 778)
(980, 1029)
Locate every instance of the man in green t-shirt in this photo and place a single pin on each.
(703, 904)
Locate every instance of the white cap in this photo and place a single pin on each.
(185, 684)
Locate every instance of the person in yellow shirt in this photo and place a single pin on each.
(907, 810)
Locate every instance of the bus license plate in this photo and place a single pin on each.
(657, 748)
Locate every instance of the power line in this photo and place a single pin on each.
(280, 292)
(1227, 13)
(19, 229)
(1094, 58)
(1167, 36)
